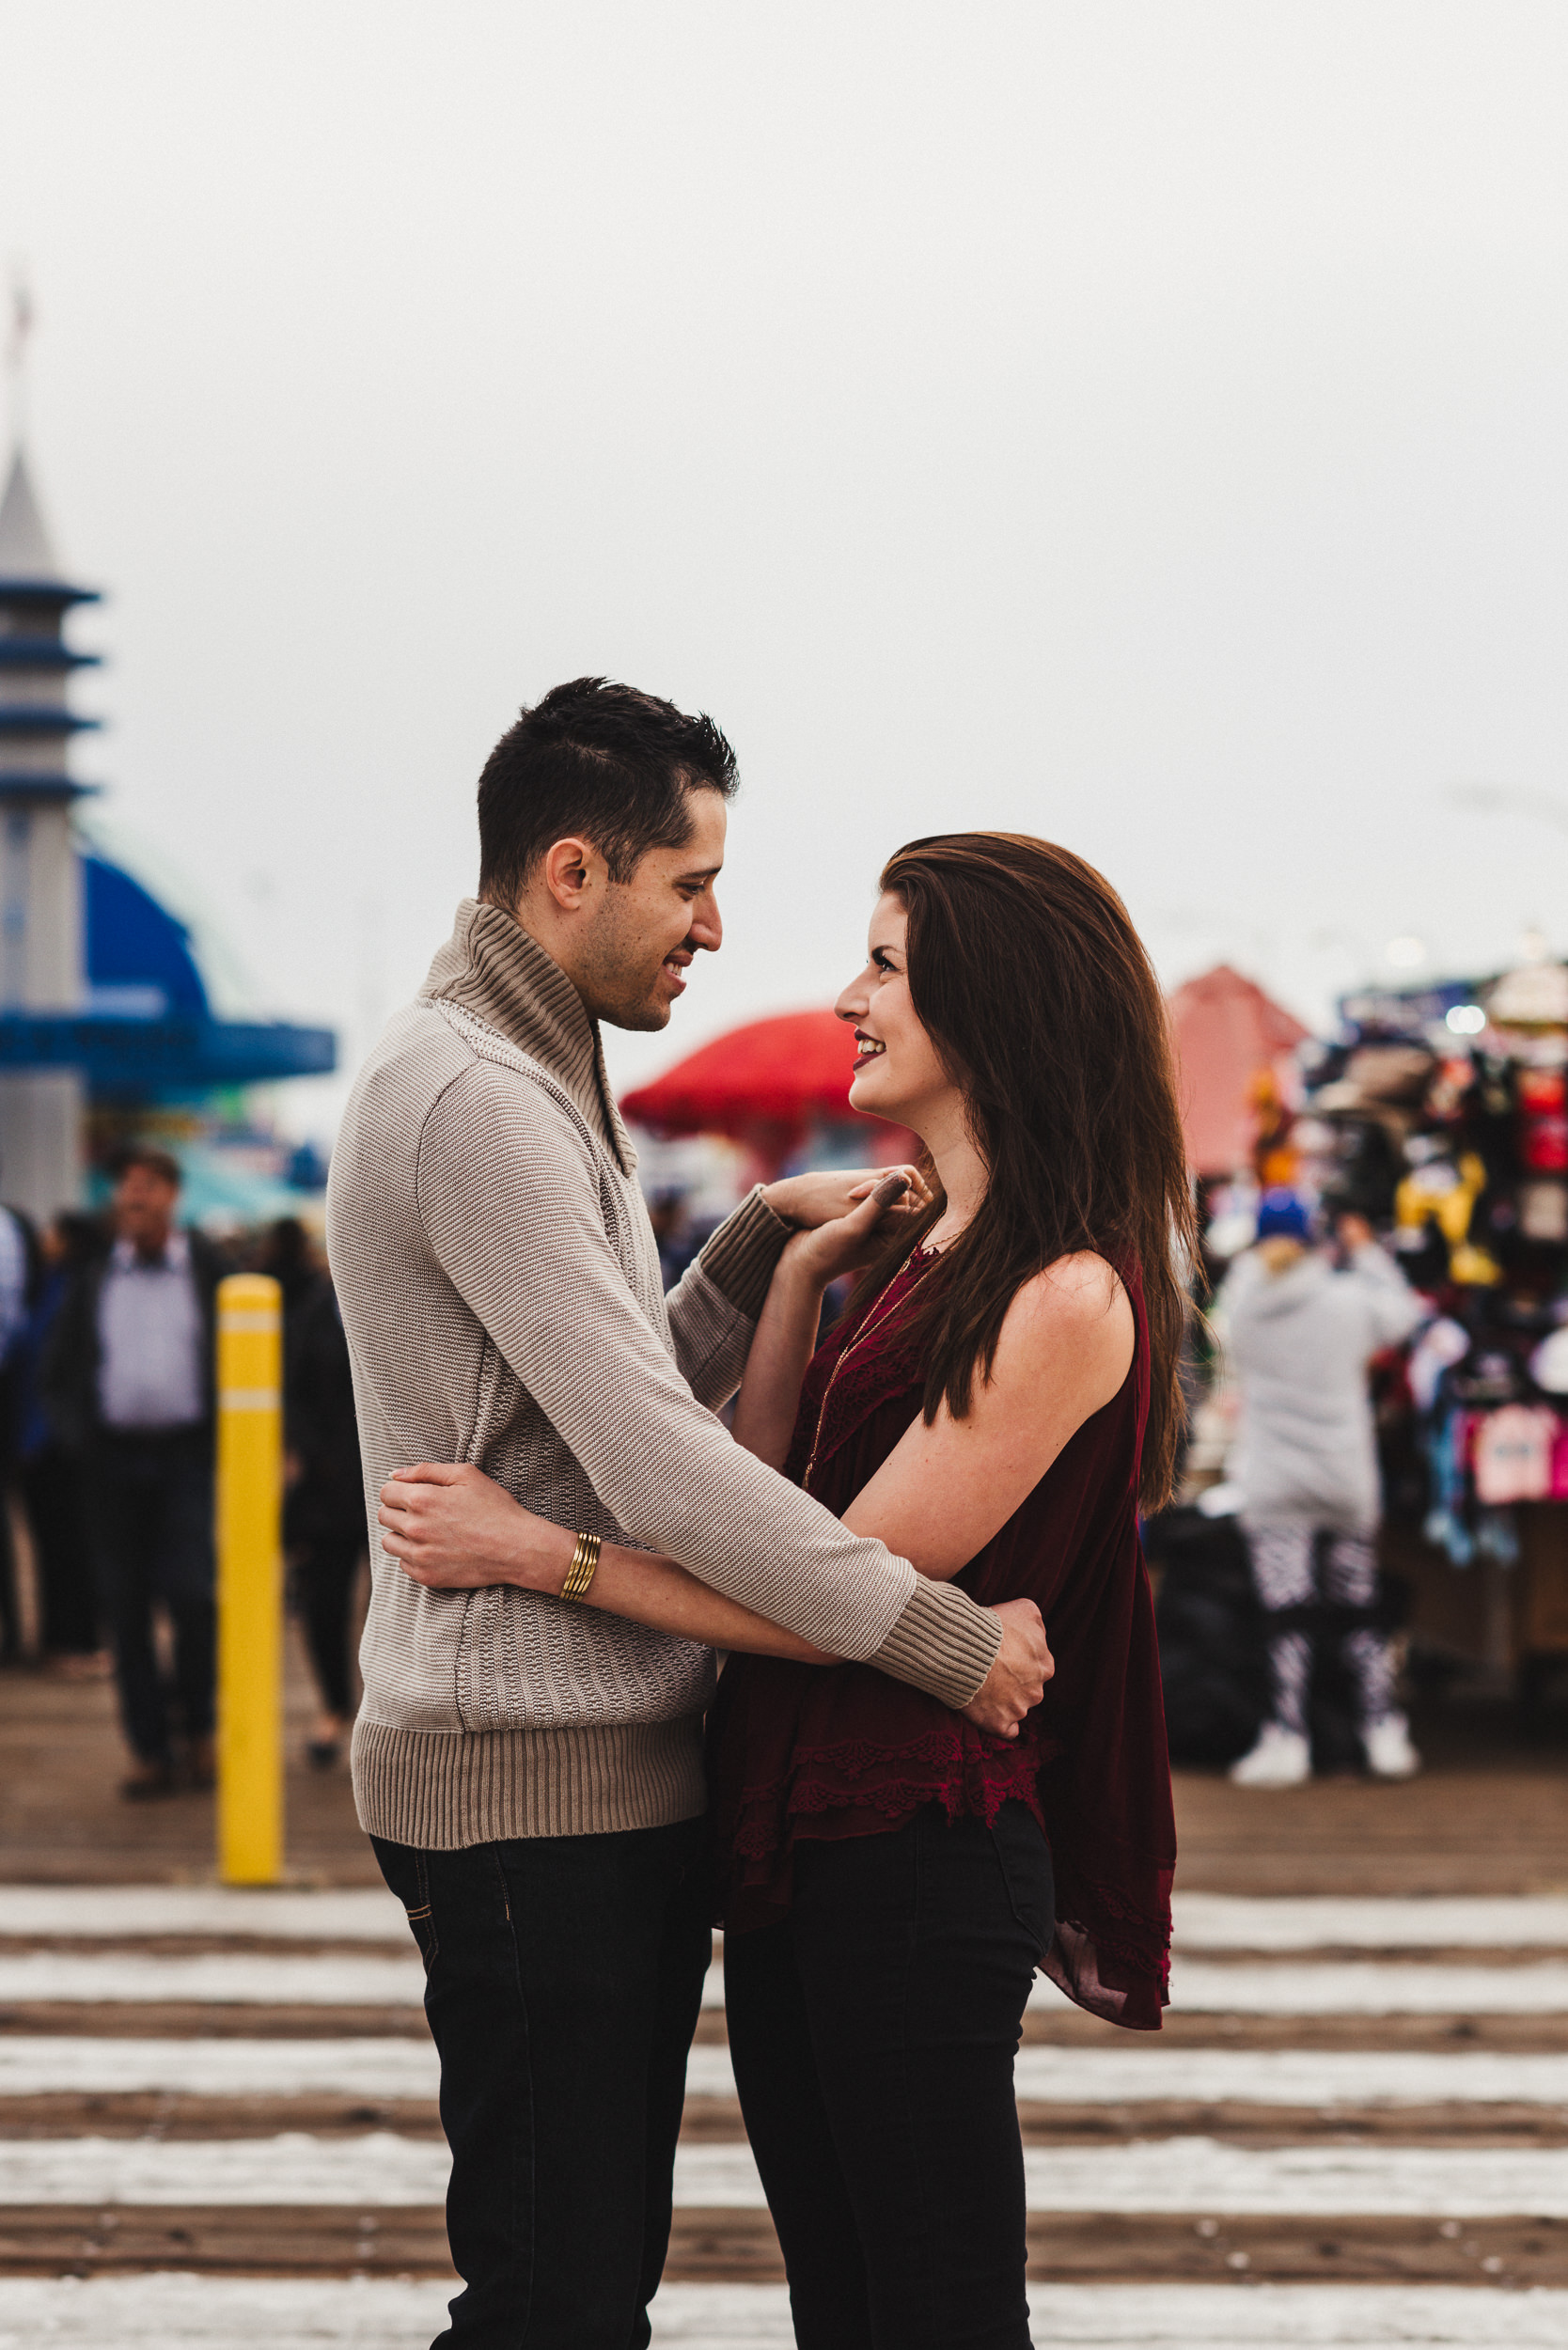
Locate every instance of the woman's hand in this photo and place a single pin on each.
(452, 1528)
(808, 1200)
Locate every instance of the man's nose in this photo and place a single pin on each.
(707, 924)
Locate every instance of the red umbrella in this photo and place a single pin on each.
(765, 1085)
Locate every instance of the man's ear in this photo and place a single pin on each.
(573, 873)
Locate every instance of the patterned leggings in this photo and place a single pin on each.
(1282, 1570)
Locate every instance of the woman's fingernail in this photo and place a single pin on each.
(890, 1188)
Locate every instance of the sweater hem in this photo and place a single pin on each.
(443, 1791)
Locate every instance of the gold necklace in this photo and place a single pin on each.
(873, 1321)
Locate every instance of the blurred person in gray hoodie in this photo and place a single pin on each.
(1299, 1333)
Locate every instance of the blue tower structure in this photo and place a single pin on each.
(102, 1000)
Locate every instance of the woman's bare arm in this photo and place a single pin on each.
(783, 1343)
(785, 1338)
(1064, 1352)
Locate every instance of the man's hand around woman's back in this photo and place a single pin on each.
(1016, 1682)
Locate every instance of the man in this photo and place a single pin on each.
(532, 1773)
(1300, 1336)
(128, 1380)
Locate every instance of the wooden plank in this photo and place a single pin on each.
(1281, 1985)
(258, 1979)
(134, 2113)
(99, 1913)
(710, 2245)
(1113, 2249)
(1264, 2125)
(377, 2072)
(175, 1944)
(1070, 2027)
(380, 2170)
(740, 2247)
(716, 2121)
(176, 2019)
(1058, 2026)
(171, 2311)
(1321, 1922)
(81, 2240)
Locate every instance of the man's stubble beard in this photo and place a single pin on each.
(607, 976)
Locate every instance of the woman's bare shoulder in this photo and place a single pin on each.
(1080, 1303)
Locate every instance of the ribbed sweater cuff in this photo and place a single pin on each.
(942, 1644)
(740, 1258)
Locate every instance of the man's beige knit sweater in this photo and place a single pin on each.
(499, 1284)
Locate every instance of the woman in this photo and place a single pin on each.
(999, 1394)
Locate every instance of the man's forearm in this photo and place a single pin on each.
(657, 1593)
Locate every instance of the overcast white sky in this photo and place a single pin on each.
(1140, 424)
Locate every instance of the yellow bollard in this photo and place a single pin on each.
(250, 1580)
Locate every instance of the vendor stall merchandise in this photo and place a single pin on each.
(1442, 1115)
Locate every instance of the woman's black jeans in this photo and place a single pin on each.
(873, 2031)
(563, 1980)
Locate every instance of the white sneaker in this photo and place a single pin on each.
(1282, 1757)
(1389, 1752)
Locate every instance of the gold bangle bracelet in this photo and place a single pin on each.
(585, 1565)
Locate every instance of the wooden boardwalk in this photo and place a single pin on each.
(218, 2116)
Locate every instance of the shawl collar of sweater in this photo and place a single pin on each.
(492, 969)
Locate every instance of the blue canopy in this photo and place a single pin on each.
(148, 1030)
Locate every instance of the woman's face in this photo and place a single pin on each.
(898, 1072)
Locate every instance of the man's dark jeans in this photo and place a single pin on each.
(151, 1498)
(563, 1980)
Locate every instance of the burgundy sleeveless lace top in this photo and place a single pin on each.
(802, 1751)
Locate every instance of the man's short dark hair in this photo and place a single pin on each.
(600, 759)
(146, 1155)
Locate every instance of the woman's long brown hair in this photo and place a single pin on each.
(1032, 983)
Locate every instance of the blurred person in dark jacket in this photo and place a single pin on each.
(128, 1379)
(50, 1470)
(323, 1517)
(673, 1230)
(19, 1273)
(290, 1255)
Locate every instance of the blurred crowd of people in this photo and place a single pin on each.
(107, 1441)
